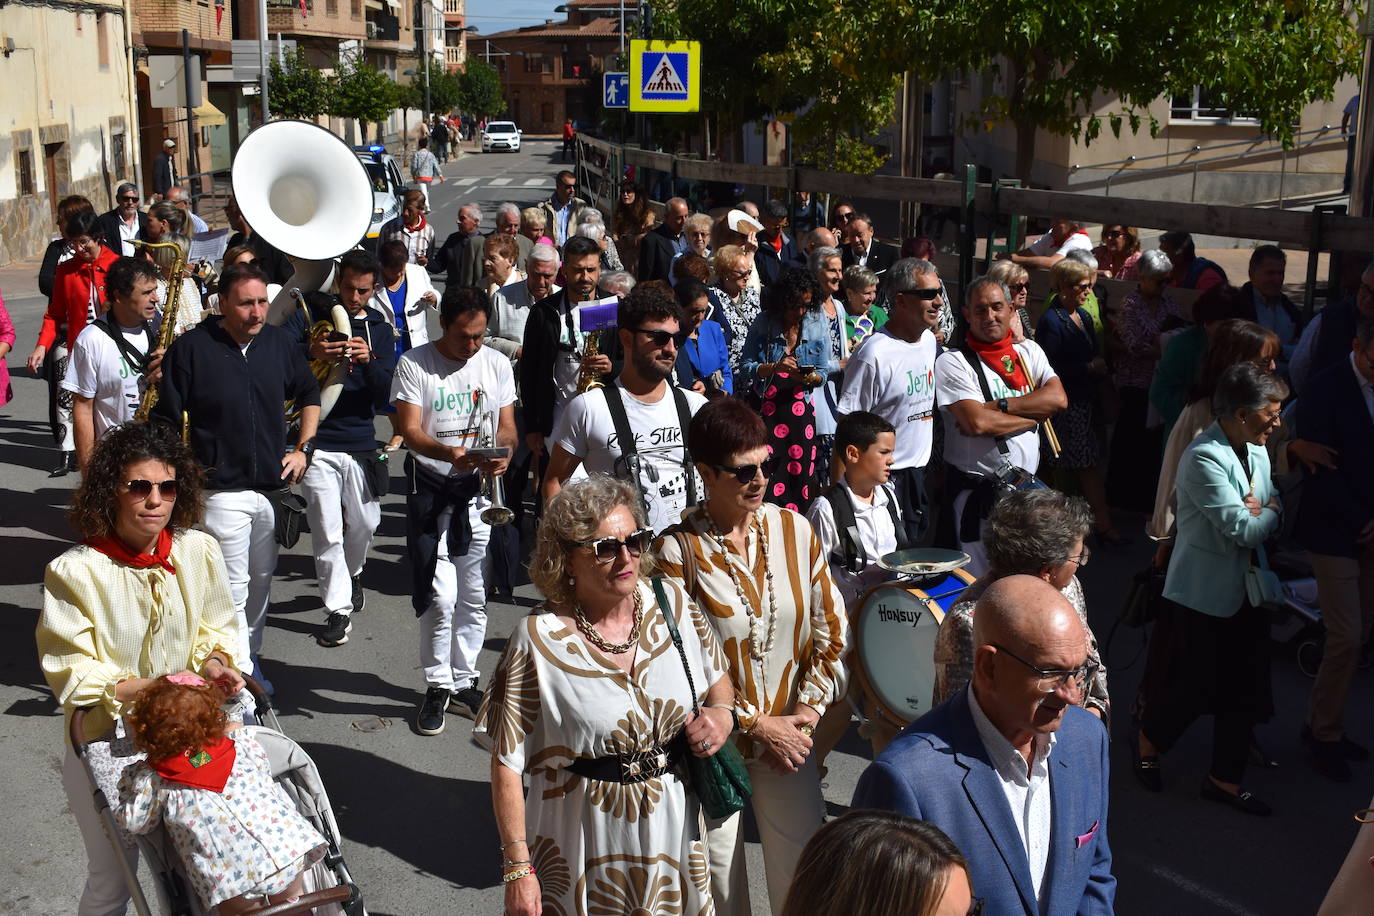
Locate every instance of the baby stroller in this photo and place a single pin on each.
(330, 890)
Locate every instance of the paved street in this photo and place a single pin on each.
(416, 812)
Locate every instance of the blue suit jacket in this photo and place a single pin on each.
(938, 770)
(1216, 533)
(1337, 504)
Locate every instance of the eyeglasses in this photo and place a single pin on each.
(658, 337)
(745, 473)
(142, 489)
(1082, 559)
(607, 549)
(738, 275)
(925, 295)
(1052, 680)
(1081, 287)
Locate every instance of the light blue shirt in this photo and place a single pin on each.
(1276, 319)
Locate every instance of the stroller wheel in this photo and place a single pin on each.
(1310, 656)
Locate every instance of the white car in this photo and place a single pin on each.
(501, 135)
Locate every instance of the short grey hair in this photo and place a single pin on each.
(472, 209)
(698, 221)
(1082, 256)
(1246, 386)
(1153, 264)
(508, 209)
(858, 277)
(815, 236)
(619, 282)
(127, 186)
(574, 515)
(904, 273)
(819, 257)
(542, 254)
(590, 215)
(1031, 529)
(987, 280)
(590, 229)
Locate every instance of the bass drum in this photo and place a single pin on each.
(893, 628)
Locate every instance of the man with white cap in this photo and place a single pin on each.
(165, 169)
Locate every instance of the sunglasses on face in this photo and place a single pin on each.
(607, 549)
(128, 200)
(142, 489)
(1018, 288)
(925, 295)
(657, 337)
(567, 187)
(745, 473)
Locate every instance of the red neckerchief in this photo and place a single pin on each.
(209, 768)
(418, 226)
(117, 550)
(1001, 358)
(776, 242)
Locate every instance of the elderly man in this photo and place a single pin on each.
(979, 766)
(860, 247)
(450, 257)
(182, 199)
(165, 168)
(510, 305)
(1048, 250)
(1326, 339)
(819, 237)
(893, 376)
(664, 242)
(561, 209)
(1266, 303)
(994, 393)
(125, 222)
(507, 223)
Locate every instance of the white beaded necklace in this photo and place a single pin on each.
(757, 652)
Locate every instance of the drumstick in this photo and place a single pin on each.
(1050, 435)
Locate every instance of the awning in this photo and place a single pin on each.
(207, 115)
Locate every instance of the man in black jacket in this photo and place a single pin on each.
(663, 243)
(271, 259)
(776, 248)
(453, 258)
(860, 247)
(125, 222)
(228, 377)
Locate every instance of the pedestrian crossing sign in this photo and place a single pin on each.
(665, 75)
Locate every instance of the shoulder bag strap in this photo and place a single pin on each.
(976, 364)
(677, 639)
(846, 527)
(689, 561)
(684, 419)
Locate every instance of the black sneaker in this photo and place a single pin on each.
(467, 701)
(430, 720)
(359, 597)
(336, 630)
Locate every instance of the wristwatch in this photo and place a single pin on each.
(307, 448)
(1002, 404)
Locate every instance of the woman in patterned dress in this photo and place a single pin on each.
(733, 301)
(760, 577)
(591, 700)
(142, 596)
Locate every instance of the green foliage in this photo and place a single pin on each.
(443, 90)
(297, 90)
(480, 92)
(363, 92)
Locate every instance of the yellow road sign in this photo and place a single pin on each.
(665, 75)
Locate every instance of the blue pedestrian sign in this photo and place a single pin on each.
(615, 90)
(665, 75)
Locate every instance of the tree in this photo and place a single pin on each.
(480, 92)
(296, 89)
(362, 92)
(443, 90)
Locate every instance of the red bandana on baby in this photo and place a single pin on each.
(1001, 358)
(117, 550)
(208, 768)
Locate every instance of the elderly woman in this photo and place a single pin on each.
(786, 359)
(733, 301)
(1119, 253)
(1033, 533)
(1017, 281)
(587, 682)
(533, 222)
(1145, 314)
(759, 575)
(590, 224)
(696, 232)
(499, 254)
(703, 363)
(143, 595)
(862, 317)
(1067, 336)
(1209, 650)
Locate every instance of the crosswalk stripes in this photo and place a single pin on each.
(465, 182)
(499, 182)
(536, 182)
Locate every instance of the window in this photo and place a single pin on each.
(355, 8)
(538, 63)
(24, 165)
(1200, 106)
(331, 7)
(117, 153)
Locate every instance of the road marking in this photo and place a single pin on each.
(535, 182)
(464, 182)
(1216, 900)
(499, 182)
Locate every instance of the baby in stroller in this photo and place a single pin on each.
(242, 842)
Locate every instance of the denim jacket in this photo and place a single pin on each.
(766, 344)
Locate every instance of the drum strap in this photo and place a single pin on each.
(851, 553)
(976, 365)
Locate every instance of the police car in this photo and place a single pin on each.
(501, 135)
(387, 186)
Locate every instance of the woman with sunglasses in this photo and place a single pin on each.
(761, 579)
(143, 595)
(593, 701)
(1017, 281)
(734, 302)
(1119, 252)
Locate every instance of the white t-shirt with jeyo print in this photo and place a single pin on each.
(460, 400)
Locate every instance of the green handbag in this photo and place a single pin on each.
(720, 781)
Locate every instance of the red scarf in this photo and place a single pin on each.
(1001, 357)
(209, 768)
(116, 550)
(418, 226)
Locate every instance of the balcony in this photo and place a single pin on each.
(454, 56)
(454, 7)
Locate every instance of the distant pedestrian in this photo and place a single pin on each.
(569, 135)
(424, 169)
(438, 133)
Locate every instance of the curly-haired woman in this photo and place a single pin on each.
(143, 595)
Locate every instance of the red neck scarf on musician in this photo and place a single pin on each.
(117, 550)
(418, 226)
(208, 768)
(1001, 357)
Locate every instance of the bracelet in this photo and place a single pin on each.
(511, 864)
(511, 843)
(524, 871)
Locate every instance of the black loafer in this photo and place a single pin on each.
(1242, 801)
(1147, 769)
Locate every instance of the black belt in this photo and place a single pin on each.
(636, 766)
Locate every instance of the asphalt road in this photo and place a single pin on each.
(416, 811)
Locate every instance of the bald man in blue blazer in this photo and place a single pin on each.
(1009, 767)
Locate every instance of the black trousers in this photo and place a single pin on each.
(910, 484)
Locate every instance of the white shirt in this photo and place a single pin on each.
(99, 371)
(1077, 241)
(1366, 387)
(128, 231)
(198, 225)
(955, 381)
(1028, 796)
(460, 400)
(585, 429)
(896, 380)
(877, 537)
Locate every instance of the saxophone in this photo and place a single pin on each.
(168, 329)
(587, 379)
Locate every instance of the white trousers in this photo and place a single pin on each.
(245, 525)
(788, 809)
(343, 517)
(105, 893)
(454, 625)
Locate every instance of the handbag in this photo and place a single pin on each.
(1262, 586)
(289, 509)
(1143, 597)
(720, 781)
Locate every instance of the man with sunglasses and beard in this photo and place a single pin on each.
(640, 404)
(892, 374)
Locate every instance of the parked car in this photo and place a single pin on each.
(501, 135)
(387, 186)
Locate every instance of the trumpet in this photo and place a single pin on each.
(497, 513)
(167, 331)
